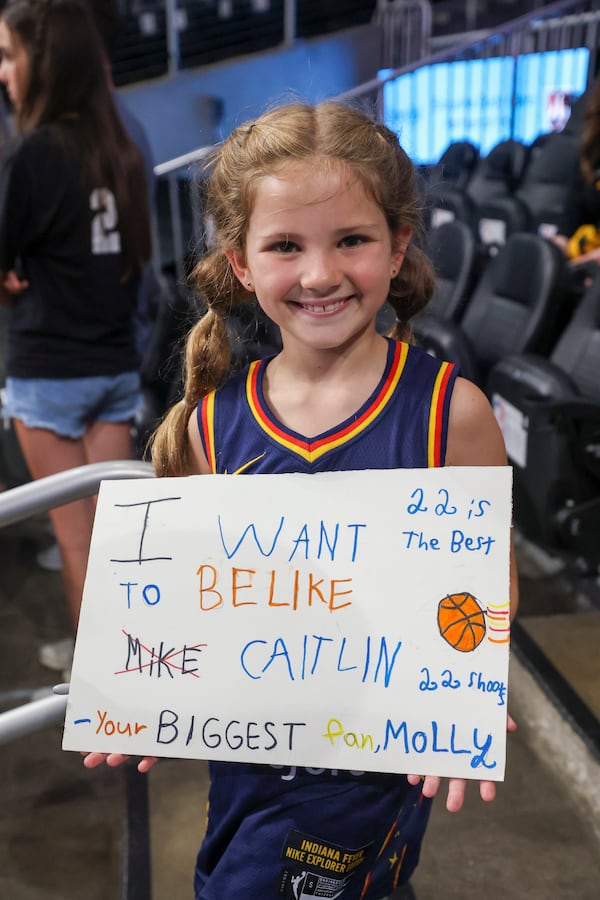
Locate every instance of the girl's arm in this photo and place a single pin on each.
(474, 439)
(198, 460)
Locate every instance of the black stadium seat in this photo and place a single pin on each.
(514, 308)
(549, 411)
(538, 203)
(495, 175)
(451, 249)
(457, 163)
(449, 176)
(499, 173)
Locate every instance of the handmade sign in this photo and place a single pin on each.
(355, 620)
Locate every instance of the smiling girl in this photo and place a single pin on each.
(315, 217)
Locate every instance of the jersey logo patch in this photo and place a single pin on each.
(316, 868)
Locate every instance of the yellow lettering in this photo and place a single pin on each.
(333, 734)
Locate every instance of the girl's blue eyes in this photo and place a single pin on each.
(352, 240)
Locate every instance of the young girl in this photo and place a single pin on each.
(74, 234)
(315, 217)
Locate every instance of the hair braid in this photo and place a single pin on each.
(328, 136)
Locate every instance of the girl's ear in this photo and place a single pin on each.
(400, 242)
(237, 261)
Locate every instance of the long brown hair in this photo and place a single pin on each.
(327, 135)
(68, 90)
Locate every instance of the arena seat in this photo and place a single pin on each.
(457, 163)
(549, 412)
(251, 334)
(514, 308)
(495, 175)
(446, 181)
(451, 249)
(160, 366)
(547, 181)
(499, 172)
(538, 203)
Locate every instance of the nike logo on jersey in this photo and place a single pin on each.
(247, 465)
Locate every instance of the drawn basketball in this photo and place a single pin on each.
(461, 621)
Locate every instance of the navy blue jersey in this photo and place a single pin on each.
(291, 832)
(402, 425)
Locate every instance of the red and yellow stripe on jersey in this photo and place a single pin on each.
(403, 424)
(312, 449)
(438, 415)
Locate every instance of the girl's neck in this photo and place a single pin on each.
(312, 392)
(302, 364)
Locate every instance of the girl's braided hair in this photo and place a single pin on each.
(328, 135)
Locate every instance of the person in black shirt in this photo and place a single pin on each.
(74, 237)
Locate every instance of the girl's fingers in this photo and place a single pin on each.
(91, 760)
(456, 794)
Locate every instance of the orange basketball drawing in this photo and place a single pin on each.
(461, 621)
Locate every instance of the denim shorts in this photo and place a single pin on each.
(67, 405)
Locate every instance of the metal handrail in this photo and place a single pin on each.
(548, 17)
(15, 505)
(182, 162)
(55, 490)
(33, 716)
(39, 497)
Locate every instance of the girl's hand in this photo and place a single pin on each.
(457, 787)
(91, 760)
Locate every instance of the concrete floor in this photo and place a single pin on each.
(572, 643)
(61, 826)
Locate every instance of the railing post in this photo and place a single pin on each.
(136, 860)
(176, 225)
(173, 44)
(18, 504)
(290, 9)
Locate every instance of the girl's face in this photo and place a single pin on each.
(14, 65)
(319, 256)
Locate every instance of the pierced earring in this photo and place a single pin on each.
(394, 271)
(249, 283)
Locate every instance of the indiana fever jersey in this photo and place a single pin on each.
(403, 424)
(289, 833)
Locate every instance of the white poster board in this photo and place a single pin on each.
(355, 620)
